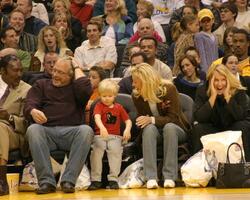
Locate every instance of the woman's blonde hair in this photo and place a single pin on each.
(148, 5)
(58, 16)
(176, 31)
(224, 71)
(108, 85)
(66, 3)
(121, 8)
(152, 85)
(59, 41)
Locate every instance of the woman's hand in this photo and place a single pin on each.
(143, 121)
(213, 90)
(227, 93)
(213, 94)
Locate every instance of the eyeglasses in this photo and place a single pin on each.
(59, 72)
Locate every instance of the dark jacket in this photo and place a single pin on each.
(223, 114)
(172, 114)
(33, 25)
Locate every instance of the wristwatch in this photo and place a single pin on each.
(11, 118)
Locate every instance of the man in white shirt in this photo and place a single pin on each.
(148, 45)
(97, 50)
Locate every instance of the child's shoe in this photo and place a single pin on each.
(95, 185)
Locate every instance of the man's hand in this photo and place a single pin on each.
(38, 116)
(4, 114)
(143, 121)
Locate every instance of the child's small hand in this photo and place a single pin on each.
(126, 136)
(104, 132)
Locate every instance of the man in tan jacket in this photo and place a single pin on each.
(12, 123)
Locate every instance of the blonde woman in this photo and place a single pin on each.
(220, 105)
(50, 40)
(118, 26)
(62, 23)
(161, 120)
(63, 6)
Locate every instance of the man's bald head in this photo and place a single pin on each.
(145, 27)
(8, 51)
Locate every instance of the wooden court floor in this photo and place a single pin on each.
(180, 193)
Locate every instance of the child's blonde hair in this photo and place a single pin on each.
(108, 85)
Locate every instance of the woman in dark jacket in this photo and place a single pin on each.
(190, 78)
(220, 105)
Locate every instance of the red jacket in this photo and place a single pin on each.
(136, 37)
(81, 12)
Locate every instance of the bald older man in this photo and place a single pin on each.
(145, 28)
(56, 109)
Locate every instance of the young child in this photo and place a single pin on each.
(96, 75)
(108, 116)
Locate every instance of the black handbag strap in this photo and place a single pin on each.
(242, 160)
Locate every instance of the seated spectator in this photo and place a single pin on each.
(192, 51)
(50, 40)
(33, 25)
(133, 50)
(13, 125)
(228, 40)
(243, 17)
(96, 75)
(118, 26)
(188, 10)
(228, 14)
(50, 59)
(82, 11)
(231, 62)
(62, 22)
(190, 78)
(63, 6)
(221, 104)
(161, 121)
(145, 27)
(130, 5)
(241, 41)
(205, 39)
(7, 6)
(39, 11)
(148, 45)
(10, 39)
(101, 48)
(27, 42)
(145, 9)
(108, 116)
(69, 89)
(189, 25)
(126, 82)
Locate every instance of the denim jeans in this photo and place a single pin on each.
(75, 139)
